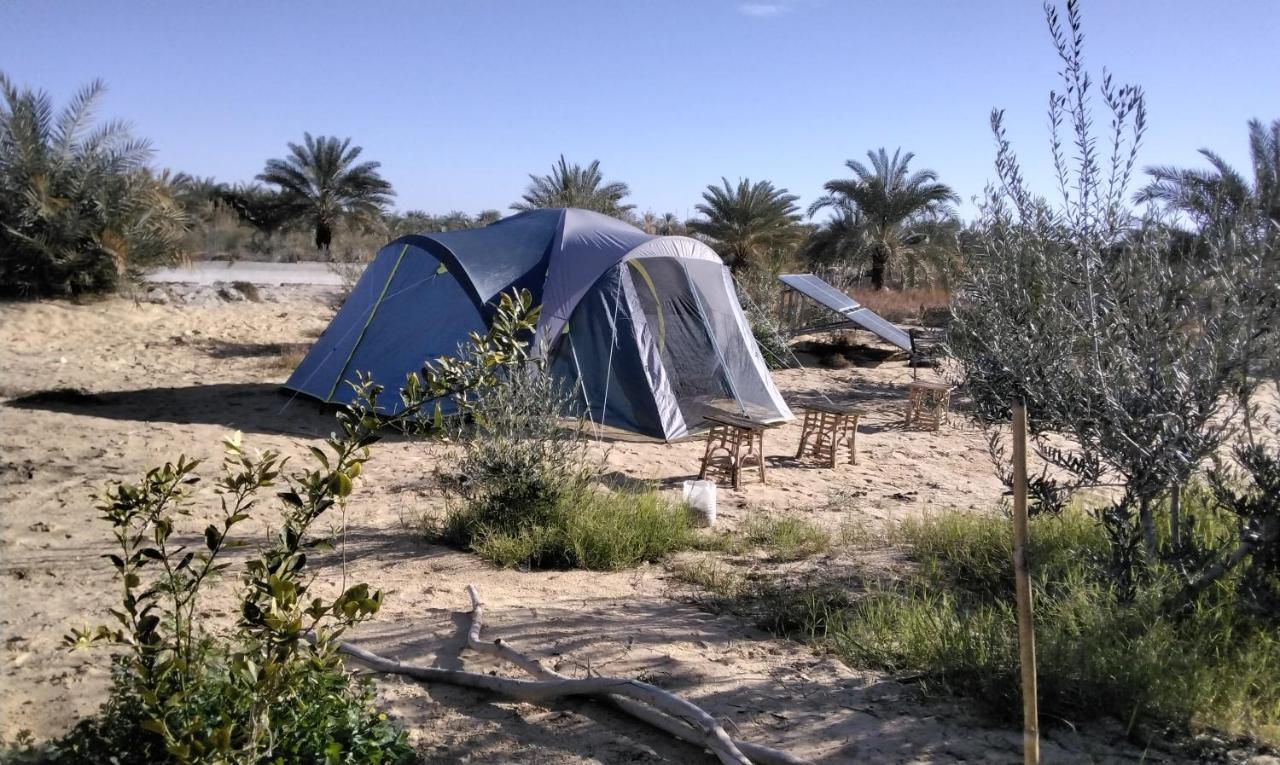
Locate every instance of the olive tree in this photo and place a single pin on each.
(1133, 361)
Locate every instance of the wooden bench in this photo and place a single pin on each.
(826, 427)
(733, 443)
(928, 405)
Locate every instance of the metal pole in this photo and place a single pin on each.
(1026, 631)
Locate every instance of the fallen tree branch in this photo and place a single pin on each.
(695, 735)
(665, 711)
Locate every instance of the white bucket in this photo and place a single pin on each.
(700, 496)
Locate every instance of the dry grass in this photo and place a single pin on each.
(288, 359)
(918, 306)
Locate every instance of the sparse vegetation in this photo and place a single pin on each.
(786, 537)
(272, 690)
(948, 622)
(525, 491)
(589, 528)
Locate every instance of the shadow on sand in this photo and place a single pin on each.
(250, 407)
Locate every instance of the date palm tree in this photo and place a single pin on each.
(1222, 189)
(892, 202)
(747, 221)
(79, 206)
(576, 186)
(324, 184)
(840, 239)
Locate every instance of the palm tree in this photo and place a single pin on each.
(266, 210)
(79, 207)
(325, 185)
(576, 186)
(892, 202)
(841, 239)
(1204, 194)
(747, 221)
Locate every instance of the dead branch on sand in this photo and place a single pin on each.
(667, 712)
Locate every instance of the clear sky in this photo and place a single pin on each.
(459, 101)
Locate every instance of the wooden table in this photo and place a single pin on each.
(928, 404)
(733, 443)
(826, 427)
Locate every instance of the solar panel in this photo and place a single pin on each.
(823, 293)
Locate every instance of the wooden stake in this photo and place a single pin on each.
(1026, 631)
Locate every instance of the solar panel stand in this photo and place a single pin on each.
(827, 427)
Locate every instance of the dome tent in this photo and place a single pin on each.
(647, 329)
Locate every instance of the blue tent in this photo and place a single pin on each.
(647, 329)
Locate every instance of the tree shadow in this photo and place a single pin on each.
(797, 700)
(616, 479)
(226, 349)
(249, 407)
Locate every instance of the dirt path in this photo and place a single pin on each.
(166, 379)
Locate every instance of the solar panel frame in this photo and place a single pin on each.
(825, 294)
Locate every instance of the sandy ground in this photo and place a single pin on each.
(170, 379)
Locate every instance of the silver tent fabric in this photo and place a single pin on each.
(589, 245)
(673, 421)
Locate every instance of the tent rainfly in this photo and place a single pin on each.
(646, 329)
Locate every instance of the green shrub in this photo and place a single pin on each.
(787, 537)
(273, 689)
(952, 622)
(523, 491)
(589, 528)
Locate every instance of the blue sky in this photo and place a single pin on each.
(461, 100)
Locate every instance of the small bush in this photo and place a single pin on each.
(952, 621)
(786, 537)
(590, 529)
(524, 489)
(273, 689)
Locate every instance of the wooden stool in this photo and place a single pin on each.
(928, 405)
(725, 444)
(829, 425)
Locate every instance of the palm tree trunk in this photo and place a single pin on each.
(324, 235)
(879, 265)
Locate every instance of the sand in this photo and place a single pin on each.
(175, 378)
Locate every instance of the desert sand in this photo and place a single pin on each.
(163, 379)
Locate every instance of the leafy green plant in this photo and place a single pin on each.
(274, 689)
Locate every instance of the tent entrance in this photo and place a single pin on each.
(676, 310)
